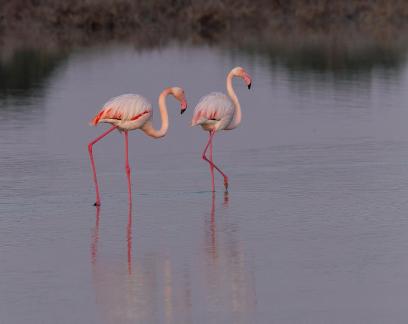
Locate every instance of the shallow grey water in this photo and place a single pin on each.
(313, 230)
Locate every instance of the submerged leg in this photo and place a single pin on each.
(212, 165)
(128, 167)
(95, 237)
(98, 201)
(129, 238)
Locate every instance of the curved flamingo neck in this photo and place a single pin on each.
(237, 114)
(149, 129)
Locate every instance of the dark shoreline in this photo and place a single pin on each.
(297, 39)
(49, 23)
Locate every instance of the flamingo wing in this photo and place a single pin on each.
(215, 107)
(126, 107)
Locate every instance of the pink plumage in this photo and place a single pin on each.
(213, 109)
(217, 111)
(129, 112)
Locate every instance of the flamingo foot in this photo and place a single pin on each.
(97, 203)
(226, 184)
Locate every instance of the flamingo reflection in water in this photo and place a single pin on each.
(162, 286)
(95, 238)
(132, 295)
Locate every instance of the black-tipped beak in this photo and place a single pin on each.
(182, 111)
(249, 86)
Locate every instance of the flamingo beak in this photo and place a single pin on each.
(247, 80)
(183, 106)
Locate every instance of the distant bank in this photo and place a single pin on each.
(151, 22)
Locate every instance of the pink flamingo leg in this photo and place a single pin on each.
(205, 159)
(90, 145)
(212, 165)
(128, 168)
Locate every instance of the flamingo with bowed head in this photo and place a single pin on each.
(216, 112)
(128, 112)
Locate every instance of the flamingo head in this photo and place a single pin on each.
(178, 93)
(240, 72)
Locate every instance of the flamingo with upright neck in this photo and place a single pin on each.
(128, 112)
(215, 112)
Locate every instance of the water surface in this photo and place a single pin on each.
(313, 229)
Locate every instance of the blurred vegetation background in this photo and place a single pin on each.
(317, 35)
(55, 22)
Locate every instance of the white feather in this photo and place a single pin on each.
(128, 105)
(122, 110)
(215, 108)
